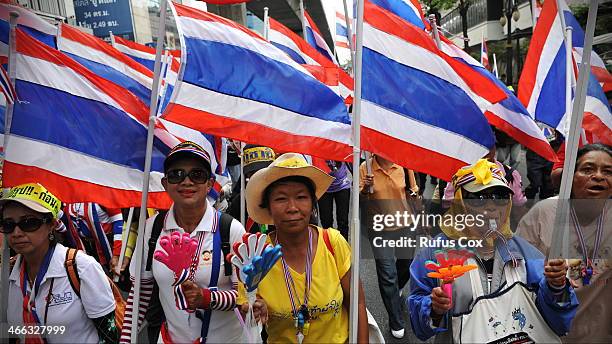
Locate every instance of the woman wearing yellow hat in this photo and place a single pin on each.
(512, 296)
(311, 281)
(44, 304)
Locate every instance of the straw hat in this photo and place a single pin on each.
(286, 165)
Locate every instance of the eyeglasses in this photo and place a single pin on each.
(479, 200)
(31, 224)
(196, 175)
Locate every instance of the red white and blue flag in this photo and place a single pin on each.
(542, 86)
(417, 108)
(509, 115)
(301, 52)
(236, 84)
(80, 135)
(315, 38)
(484, 54)
(142, 54)
(6, 87)
(342, 38)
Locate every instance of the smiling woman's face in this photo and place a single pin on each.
(290, 205)
(593, 176)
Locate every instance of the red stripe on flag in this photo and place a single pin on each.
(256, 133)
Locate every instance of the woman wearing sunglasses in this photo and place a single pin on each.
(202, 309)
(512, 295)
(42, 301)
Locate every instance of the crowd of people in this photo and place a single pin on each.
(65, 266)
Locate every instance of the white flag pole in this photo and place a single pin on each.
(495, 66)
(161, 33)
(355, 233)
(303, 18)
(559, 245)
(124, 239)
(8, 116)
(266, 23)
(242, 188)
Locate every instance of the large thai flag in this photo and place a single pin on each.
(417, 109)
(542, 86)
(301, 52)
(106, 61)
(509, 115)
(80, 135)
(238, 85)
(28, 22)
(141, 53)
(315, 38)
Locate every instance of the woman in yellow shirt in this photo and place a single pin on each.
(307, 292)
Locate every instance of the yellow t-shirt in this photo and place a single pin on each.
(329, 319)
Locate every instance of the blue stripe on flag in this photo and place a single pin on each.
(594, 90)
(81, 124)
(292, 53)
(577, 32)
(551, 102)
(115, 76)
(149, 64)
(401, 9)
(341, 30)
(310, 38)
(412, 93)
(42, 37)
(249, 75)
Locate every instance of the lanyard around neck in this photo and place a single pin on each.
(290, 284)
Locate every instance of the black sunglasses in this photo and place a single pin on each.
(479, 200)
(30, 224)
(197, 176)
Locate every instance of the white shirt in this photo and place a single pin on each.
(65, 308)
(185, 327)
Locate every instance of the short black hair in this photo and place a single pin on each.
(265, 201)
(592, 147)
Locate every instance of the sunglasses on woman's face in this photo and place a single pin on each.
(197, 176)
(480, 200)
(30, 224)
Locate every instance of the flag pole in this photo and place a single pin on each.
(124, 240)
(147, 168)
(112, 39)
(355, 234)
(434, 31)
(559, 245)
(303, 19)
(495, 66)
(8, 117)
(266, 23)
(242, 188)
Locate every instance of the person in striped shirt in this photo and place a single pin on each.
(209, 296)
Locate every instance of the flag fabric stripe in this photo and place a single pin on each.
(408, 10)
(28, 22)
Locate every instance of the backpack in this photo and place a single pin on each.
(75, 283)
(155, 313)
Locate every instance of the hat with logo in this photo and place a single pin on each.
(256, 157)
(35, 197)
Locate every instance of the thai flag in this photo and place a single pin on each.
(314, 37)
(6, 87)
(106, 61)
(598, 67)
(80, 135)
(417, 109)
(301, 52)
(542, 86)
(484, 54)
(28, 22)
(141, 53)
(409, 10)
(509, 115)
(342, 38)
(236, 84)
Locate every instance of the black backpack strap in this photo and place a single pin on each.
(224, 226)
(158, 224)
(509, 170)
